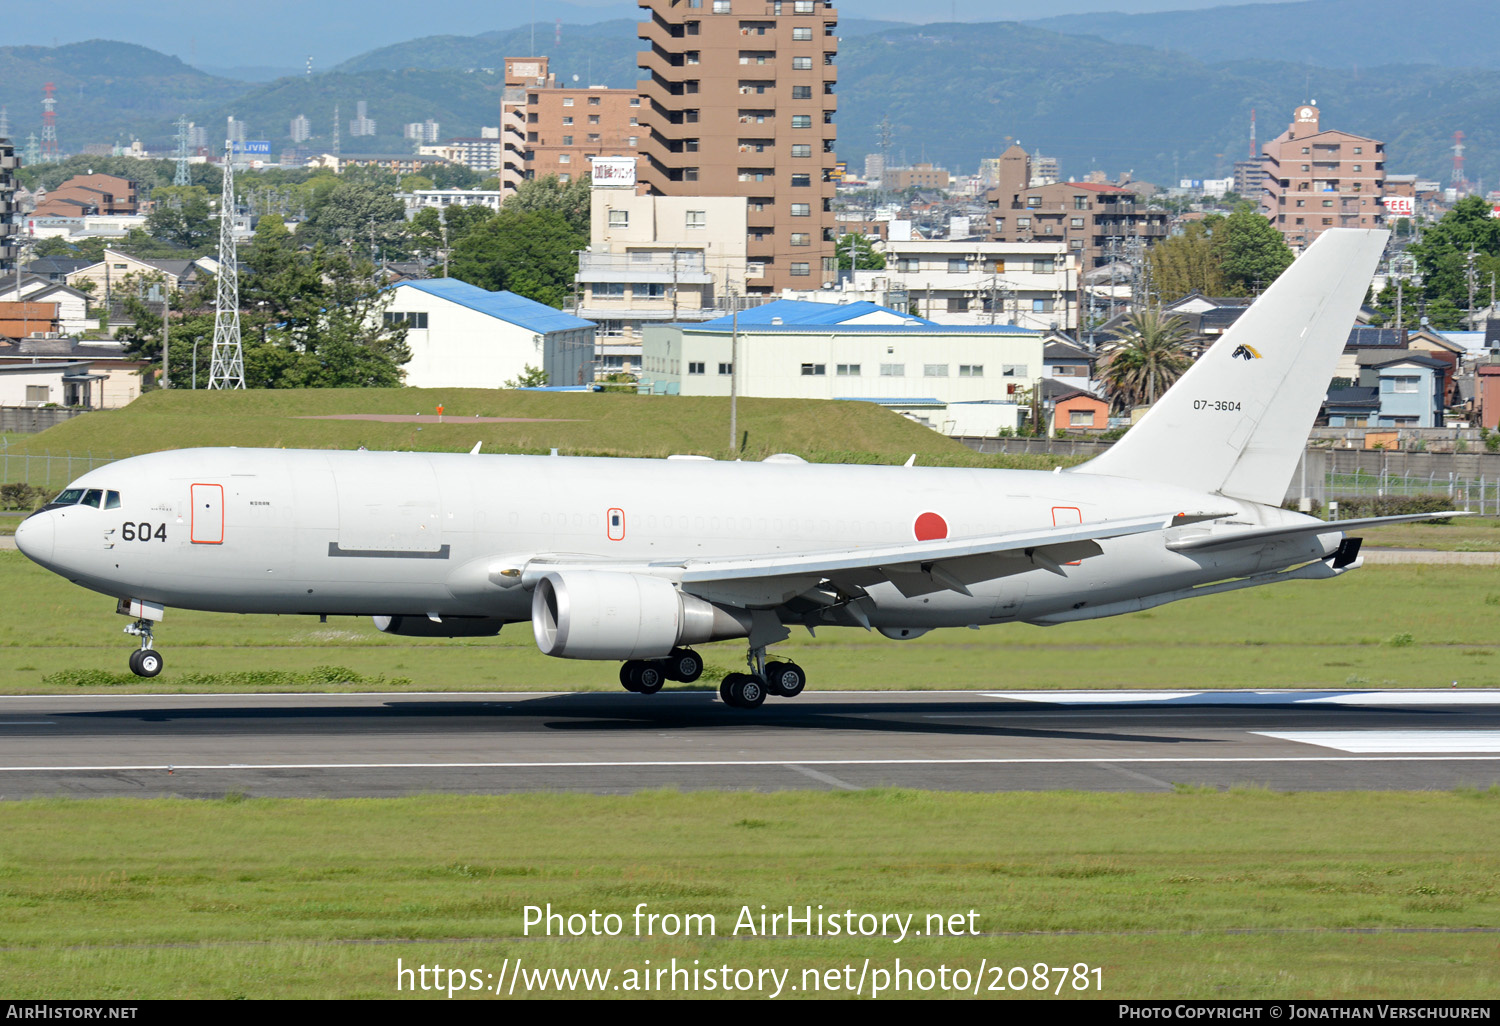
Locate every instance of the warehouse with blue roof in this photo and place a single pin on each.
(461, 335)
(811, 350)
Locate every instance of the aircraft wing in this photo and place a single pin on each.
(1228, 537)
(916, 568)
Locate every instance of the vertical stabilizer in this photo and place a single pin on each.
(1237, 421)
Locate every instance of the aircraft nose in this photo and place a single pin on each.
(35, 537)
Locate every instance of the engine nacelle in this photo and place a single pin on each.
(594, 614)
(451, 627)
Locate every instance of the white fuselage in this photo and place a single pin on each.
(421, 534)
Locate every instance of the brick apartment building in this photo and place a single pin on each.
(1097, 221)
(90, 194)
(1317, 179)
(739, 101)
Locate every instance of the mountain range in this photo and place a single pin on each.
(1157, 95)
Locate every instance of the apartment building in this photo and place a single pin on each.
(566, 127)
(90, 194)
(1026, 284)
(738, 99)
(9, 215)
(655, 259)
(1316, 179)
(1098, 222)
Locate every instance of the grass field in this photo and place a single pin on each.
(1382, 626)
(1466, 534)
(595, 424)
(1242, 894)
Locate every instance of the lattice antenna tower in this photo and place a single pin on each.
(228, 367)
(33, 153)
(335, 130)
(49, 123)
(1254, 150)
(1460, 180)
(4, 123)
(182, 178)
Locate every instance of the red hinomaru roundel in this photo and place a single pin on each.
(930, 527)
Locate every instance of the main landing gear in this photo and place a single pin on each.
(749, 690)
(646, 676)
(144, 661)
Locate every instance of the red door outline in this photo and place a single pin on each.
(1075, 518)
(204, 527)
(614, 524)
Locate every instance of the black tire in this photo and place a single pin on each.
(135, 662)
(628, 675)
(749, 692)
(684, 665)
(649, 678)
(787, 680)
(148, 663)
(773, 675)
(726, 688)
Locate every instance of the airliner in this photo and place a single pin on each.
(638, 561)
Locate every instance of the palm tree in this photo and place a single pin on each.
(1147, 355)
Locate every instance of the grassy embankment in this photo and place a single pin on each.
(581, 424)
(1393, 626)
(1244, 894)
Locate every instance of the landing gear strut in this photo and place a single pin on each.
(749, 690)
(144, 661)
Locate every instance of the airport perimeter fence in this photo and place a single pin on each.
(1330, 476)
(50, 471)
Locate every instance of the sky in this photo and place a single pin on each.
(213, 34)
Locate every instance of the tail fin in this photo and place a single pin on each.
(1237, 421)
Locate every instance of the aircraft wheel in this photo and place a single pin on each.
(726, 688)
(684, 665)
(629, 679)
(650, 676)
(747, 692)
(145, 662)
(785, 679)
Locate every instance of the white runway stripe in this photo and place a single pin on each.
(783, 763)
(1394, 741)
(1306, 696)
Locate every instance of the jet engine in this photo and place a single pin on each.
(593, 614)
(449, 627)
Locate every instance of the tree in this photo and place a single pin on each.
(1252, 253)
(1442, 257)
(863, 258)
(533, 254)
(1188, 261)
(1146, 357)
(358, 215)
(571, 200)
(531, 377)
(84, 249)
(411, 183)
(183, 218)
(309, 319)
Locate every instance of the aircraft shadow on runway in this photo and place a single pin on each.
(594, 712)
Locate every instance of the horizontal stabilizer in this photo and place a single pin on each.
(1259, 535)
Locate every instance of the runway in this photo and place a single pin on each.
(371, 745)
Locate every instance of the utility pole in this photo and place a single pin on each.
(734, 371)
(1470, 275)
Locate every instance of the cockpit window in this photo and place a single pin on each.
(69, 497)
(111, 500)
(92, 497)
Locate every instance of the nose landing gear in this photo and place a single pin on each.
(144, 661)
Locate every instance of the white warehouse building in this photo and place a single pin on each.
(802, 350)
(462, 336)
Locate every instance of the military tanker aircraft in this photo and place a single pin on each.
(639, 560)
